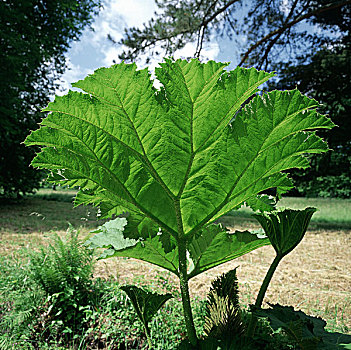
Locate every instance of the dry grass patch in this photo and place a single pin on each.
(24, 223)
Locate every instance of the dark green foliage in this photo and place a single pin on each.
(63, 272)
(326, 77)
(270, 28)
(223, 315)
(307, 331)
(35, 35)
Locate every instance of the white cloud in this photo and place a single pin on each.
(94, 50)
(111, 55)
(285, 6)
(73, 73)
(209, 51)
(134, 12)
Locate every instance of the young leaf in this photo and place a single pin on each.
(285, 228)
(215, 245)
(145, 304)
(153, 246)
(223, 316)
(110, 235)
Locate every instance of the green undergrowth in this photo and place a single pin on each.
(111, 325)
(50, 300)
(27, 321)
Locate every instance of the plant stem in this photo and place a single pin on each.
(252, 325)
(184, 289)
(148, 336)
(267, 280)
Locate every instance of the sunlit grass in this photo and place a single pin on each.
(333, 213)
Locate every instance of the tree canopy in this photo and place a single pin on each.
(325, 75)
(266, 30)
(34, 37)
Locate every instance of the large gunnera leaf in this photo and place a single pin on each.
(179, 157)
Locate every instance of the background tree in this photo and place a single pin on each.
(326, 76)
(308, 41)
(34, 37)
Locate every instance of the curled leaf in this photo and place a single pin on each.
(285, 228)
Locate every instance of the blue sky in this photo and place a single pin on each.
(94, 50)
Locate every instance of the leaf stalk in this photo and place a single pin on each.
(262, 292)
(184, 289)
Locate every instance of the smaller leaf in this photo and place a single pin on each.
(145, 303)
(262, 203)
(285, 228)
(136, 237)
(214, 245)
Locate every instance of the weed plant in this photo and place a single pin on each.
(63, 271)
(49, 295)
(19, 302)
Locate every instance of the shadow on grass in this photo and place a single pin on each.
(55, 196)
(52, 210)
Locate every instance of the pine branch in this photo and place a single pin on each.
(288, 25)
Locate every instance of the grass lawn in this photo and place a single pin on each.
(315, 278)
(332, 213)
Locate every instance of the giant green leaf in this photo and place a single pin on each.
(181, 156)
(176, 158)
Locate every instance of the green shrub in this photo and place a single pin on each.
(19, 302)
(63, 271)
